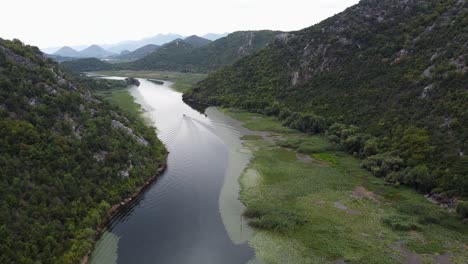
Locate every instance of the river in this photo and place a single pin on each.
(191, 214)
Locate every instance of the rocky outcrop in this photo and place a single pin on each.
(156, 81)
(118, 125)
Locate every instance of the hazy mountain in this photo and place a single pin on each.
(214, 36)
(95, 51)
(132, 45)
(52, 50)
(124, 52)
(385, 79)
(66, 52)
(197, 41)
(138, 53)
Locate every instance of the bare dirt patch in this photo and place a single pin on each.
(319, 203)
(418, 236)
(361, 192)
(343, 207)
(304, 158)
(442, 259)
(268, 136)
(309, 160)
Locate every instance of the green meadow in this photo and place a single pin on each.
(122, 98)
(312, 203)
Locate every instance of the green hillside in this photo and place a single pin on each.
(87, 65)
(387, 80)
(206, 58)
(138, 53)
(66, 157)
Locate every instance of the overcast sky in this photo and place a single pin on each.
(47, 23)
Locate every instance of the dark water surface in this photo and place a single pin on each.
(178, 219)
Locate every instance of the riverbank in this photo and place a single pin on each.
(123, 99)
(182, 80)
(312, 203)
(116, 208)
(202, 178)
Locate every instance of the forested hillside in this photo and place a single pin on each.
(65, 158)
(385, 79)
(87, 65)
(209, 57)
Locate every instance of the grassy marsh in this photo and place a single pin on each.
(121, 98)
(326, 208)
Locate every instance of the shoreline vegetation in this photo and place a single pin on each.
(310, 202)
(116, 208)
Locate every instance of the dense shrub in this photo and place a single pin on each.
(400, 223)
(462, 208)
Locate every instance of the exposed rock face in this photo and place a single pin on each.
(129, 131)
(100, 155)
(311, 56)
(34, 102)
(18, 58)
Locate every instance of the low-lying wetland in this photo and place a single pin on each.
(312, 203)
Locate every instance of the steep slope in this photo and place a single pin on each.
(139, 53)
(395, 69)
(197, 41)
(210, 57)
(65, 157)
(95, 51)
(66, 52)
(87, 65)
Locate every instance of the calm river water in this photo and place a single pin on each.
(191, 214)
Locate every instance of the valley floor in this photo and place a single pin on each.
(312, 203)
(182, 80)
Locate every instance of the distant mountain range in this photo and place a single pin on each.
(93, 51)
(185, 55)
(192, 54)
(132, 45)
(193, 41)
